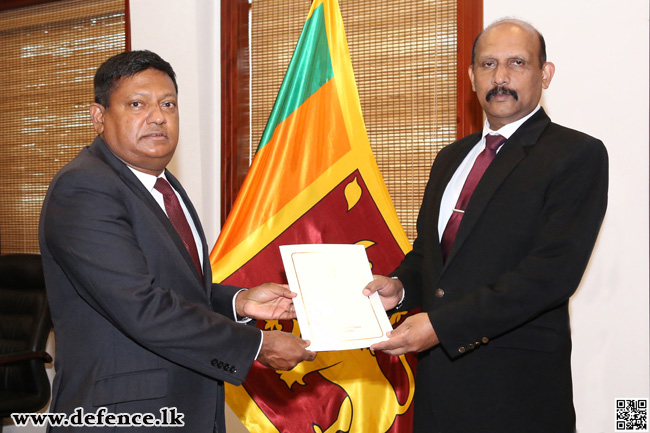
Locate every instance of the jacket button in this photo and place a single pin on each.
(461, 349)
(233, 369)
(439, 293)
(485, 340)
(470, 346)
(226, 367)
(214, 362)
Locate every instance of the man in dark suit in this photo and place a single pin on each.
(499, 254)
(139, 325)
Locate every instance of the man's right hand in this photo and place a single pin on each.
(283, 351)
(390, 290)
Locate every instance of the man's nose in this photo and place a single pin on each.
(156, 115)
(501, 75)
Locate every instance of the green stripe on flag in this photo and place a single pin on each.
(310, 68)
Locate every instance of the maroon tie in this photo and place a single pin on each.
(492, 143)
(177, 217)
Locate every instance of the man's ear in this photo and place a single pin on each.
(548, 70)
(97, 115)
(470, 72)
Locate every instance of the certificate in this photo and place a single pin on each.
(332, 312)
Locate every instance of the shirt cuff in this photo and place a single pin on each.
(261, 341)
(234, 309)
(399, 304)
(245, 320)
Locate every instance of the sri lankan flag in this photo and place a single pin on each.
(314, 180)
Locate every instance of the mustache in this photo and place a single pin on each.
(501, 90)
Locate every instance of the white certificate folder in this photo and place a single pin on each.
(332, 312)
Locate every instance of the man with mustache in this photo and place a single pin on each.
(508, 221)
(140, 328)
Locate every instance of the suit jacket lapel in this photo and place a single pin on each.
(207, 271)
(513, 151)
(100, 148)
(447, 169)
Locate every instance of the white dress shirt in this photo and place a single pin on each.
(149, 181)
(455, 185)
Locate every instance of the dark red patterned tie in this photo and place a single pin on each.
(492, 143)
(177, 217)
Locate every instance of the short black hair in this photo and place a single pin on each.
(542, 42)
(127, 64)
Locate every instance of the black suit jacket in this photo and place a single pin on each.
(136, 328)
(500, 303)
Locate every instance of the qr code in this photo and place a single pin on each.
(632, 414)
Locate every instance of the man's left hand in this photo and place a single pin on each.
(268, 301)
(414, 335)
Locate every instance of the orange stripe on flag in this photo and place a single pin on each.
(302, 148)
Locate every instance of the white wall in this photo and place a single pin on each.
(186, 34)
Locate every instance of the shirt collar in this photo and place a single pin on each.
(148, 180)
(510, 128)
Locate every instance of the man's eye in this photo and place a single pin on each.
(488, 64)
(518, 63)
(169, 104)
(136, 104)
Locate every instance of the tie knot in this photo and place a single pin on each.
(163, 186)
(494, 141)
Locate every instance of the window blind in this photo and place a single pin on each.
(48, 57)
(404, 59)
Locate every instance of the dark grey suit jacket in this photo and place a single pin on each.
(136, 329)
(500, 304)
